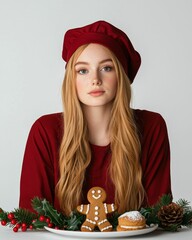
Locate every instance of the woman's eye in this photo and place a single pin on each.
(82, 71)
(106, 69)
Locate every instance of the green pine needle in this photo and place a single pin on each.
(187, 219)
(164, 200)
(24, 216)
(3, 215)
(184, 204)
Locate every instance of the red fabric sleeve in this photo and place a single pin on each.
(155, 158)
(38, 176)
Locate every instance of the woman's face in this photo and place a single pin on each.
(96, 80)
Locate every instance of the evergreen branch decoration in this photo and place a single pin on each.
(23, 216)
(168, 215)
(37, 205)
(184, 204)
(56, 218)
(74, 222)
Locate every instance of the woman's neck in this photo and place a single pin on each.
(98, 122)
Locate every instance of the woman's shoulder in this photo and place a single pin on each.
(147, 115)
(50, 119)
(148, 119)
(49, 123)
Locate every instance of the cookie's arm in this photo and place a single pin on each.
(109, 208)
(84, 209)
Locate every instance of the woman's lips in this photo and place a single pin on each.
(96, 93)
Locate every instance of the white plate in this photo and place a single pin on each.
(113, 234)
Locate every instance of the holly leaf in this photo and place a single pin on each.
(150, 215)
(39, 224)
(56, 217)
(37, 205)
(74, 222)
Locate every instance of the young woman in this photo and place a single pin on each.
(98, 140)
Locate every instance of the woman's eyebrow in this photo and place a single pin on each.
(86, 63)
(106, 60)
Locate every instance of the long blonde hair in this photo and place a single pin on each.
(75, 154)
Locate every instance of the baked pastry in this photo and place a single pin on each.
(132, 220)
(96, 212)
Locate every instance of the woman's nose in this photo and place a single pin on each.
(96, 79)
(96, 82)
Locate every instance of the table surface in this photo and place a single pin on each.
(6, 233)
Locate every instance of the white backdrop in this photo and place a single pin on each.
(31, 72)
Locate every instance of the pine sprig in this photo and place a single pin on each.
(184, 204)
(163, 201)
(3, 215)
(187, 219)
(24, 216)
(151, 213)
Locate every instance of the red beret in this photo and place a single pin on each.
(106, 34)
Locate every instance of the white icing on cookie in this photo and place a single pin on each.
(90, 221)
(93, 194)
(96, 197)
(87, 209)
(105, 228)
(103, 221)
(105, 207)
(90, 229)
(112, 207)
(81, 209)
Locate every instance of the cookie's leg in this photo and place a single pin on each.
(105, 226)
(88, 225)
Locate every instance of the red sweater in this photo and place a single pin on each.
(40, 170)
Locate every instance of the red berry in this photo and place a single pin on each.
(50, 225)
(3, 222)
(13, 221)
(23, 228)
(24, 225)
(15, 229)
(56, 228)
(18, 225)
(42, 218)
(31, 227)
(48, 220)
(10, 216)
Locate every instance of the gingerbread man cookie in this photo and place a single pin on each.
(96, 212)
